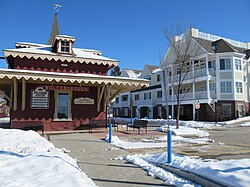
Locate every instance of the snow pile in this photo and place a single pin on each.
(26, 159)
(134, 145)
(15, 140)
(227, 172)
(185, 131)
(186, 140)
(168, 177)
(156, 143)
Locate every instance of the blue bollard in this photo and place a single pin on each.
(169, 146)
(110, 132)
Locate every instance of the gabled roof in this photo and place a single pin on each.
(205, 44)
(151, 68)
(218, 46)
(132, 73)
(221, 46)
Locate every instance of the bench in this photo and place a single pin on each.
(138, 124)
(28, 125)
(95, 124)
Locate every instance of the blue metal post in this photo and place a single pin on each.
(110, 132)
(169, 146)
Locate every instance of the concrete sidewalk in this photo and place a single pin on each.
(97, 159)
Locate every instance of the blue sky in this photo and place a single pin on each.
(130, 31)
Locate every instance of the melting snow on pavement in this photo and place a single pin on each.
(27, 159)
(227, 172)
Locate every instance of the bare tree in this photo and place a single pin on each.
(179, 63)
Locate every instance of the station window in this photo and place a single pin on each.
(65, 46)
(62, 106)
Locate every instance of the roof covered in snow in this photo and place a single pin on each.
(34, 50)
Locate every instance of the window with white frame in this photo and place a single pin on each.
(125, 110)
(225, 64)
(239, 87)
(170, 90)
(147, 96)
(159, 94)
(65, 46)
(158, 78)
(226, 110)
(240, 110)
(212, 86)
(125, 98)
(62, 105)
(137, 97)
(226, 87)
(238, 65)
(116, 112)
(211, 64)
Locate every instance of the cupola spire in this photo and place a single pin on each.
(55, 28)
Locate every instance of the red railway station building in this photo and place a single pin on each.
(59, 86)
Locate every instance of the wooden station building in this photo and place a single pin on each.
(59, 86)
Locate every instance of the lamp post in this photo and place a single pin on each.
(215, 109)
(169, 132)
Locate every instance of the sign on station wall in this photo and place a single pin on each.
(84, 101)
(67, 88)
(39, 98)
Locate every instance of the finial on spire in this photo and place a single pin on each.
(57, 7)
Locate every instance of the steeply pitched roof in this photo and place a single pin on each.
(54, 31)
(133, 73)
(206, 44)
(218, 46)
(151, 67)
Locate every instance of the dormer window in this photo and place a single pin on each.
(65, 46)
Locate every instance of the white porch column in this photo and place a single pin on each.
(207, 64)
(193, 90)
(208, 89)
(194, 111)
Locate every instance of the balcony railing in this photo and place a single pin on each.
(143, 102)
(193, 75)
(191, 96)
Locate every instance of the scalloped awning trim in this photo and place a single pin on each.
(71, 78)
(50, 57)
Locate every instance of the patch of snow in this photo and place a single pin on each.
(155, 143)
(27, 159)
(134, 145)
(185, 131)
(168, 177)
(227, 172)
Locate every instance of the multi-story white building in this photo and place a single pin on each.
(217, 80)
(146, 102)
